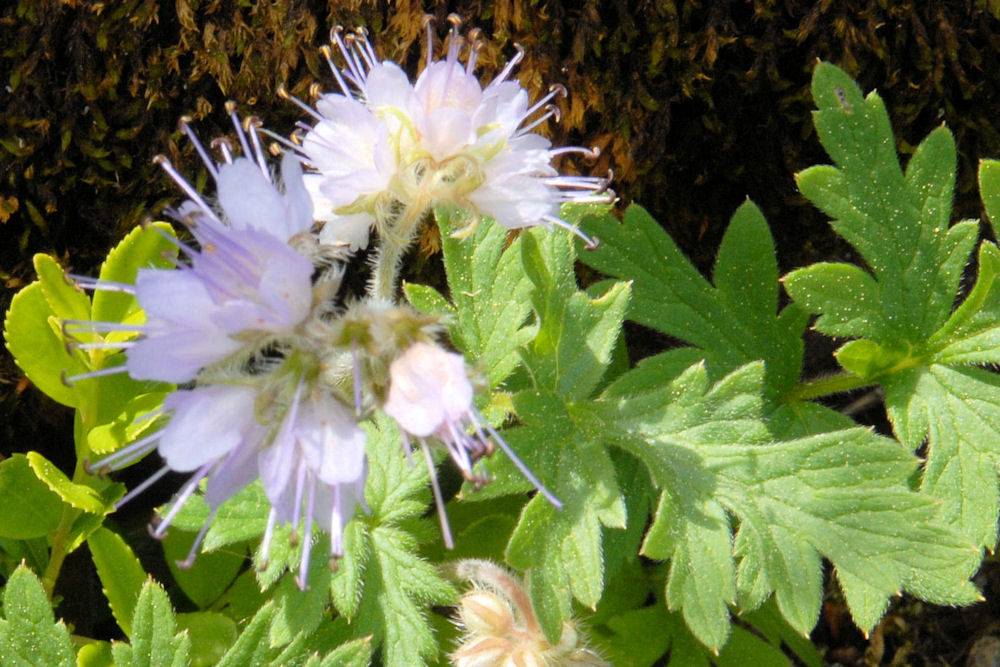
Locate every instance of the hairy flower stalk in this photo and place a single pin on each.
(238, 317)
(384, 150)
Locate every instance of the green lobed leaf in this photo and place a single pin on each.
(958, 410)
(122, 575)
(31, 509)
(30, 635)
(898, 221)
(733, 323)
(842, 495)
(489, 291)
(155, 641)
(398, 586)
(357, 653)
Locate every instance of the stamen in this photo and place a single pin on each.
(353, 71)
(222, 145)
(69, 381)
(449, 543)
(123, 457)
(428, 26)
(302, 576)
(184, 185)
(182, 497)
(554, 90)
(231, 110)
(550, 111)
(336, 529)
(511, 64)
(193, 552)
(519, 464)
(589, 153)
(184, 123)
(87, 282)
(252, 124)
(300, 487)
(589, 243)
(285, 143)
(284, 94)
(88, 326)
(328, 54)
(76, 345)
(150, 481)
(455, 40)
(265, 543)
(364, 46)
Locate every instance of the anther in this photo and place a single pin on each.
(315, 90)
(559, 88)
(427, 20)
(455, 20)
(230, 105)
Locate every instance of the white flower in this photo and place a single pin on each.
(385, 145)
(430, 395)
(314, 470)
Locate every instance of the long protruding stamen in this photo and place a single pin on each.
(222, 145)
(104, 345)
(240, 134)
(199, 538)
(301, 577)
(300, 487)
(511, 64)
(519, 464)
(88, 326)
(124, 456)
(265, 543)
(98, 284)
(551, 111)
(283, 93)
(164, 164)
(363, 46)
(590, 243)
(588, 153)
(328, 54)
(182, 497)
(70, 380)
(336, 527)
(554, 90)
(283, 141)
(185, 124)
(353, 71)
(428, 26)
(449, 543)
(153, 479)
(252, 125)
(475, 45)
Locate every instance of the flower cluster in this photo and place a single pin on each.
(277, 374)
(383, 150)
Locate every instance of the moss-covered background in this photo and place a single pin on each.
(695, 105)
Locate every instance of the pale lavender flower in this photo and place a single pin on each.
(314, 470)
(383, 143)
(430, 396)
(244, 293)
(212, 433)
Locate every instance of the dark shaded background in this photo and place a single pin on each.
(695, 105)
